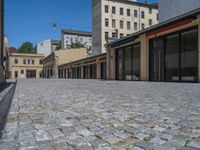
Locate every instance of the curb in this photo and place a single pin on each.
(5, 104)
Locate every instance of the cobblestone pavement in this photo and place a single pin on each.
(103, 115)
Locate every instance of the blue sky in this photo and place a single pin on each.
(31, 20)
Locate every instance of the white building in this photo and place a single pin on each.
(47, 47)
(73, 36)
(119, 18)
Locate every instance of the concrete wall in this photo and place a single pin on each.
(171, 8)
(2, 69)
(96, 27)
(45, 47)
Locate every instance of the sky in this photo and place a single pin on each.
(32, 20)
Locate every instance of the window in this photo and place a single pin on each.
(128, 25)
(121, 11)
(128, 66)
(157, 17)
(121, 24)
(24, 61)
(128, 12)
(29, 61)
(106, 22)
(135, 13)
(128, 63)
(113, 35)
(189, 56)
(142, 15)
(142, 26)
(106, 9)
(121, 35)
(172, 58)
(22, 71)
(150, 22)
(113, 10)
(16, 61)
(113, 23)
(33, 62)
(76, 39)
(40, 62)
(106, 36)
(150, 10)
(81, 39)
(178, 60)
(135, 26)
(16, 74)
(71, 39)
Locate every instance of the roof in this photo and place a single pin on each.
(28, 55)
(84, 59)
(76, 32)
(151, 5)
(12, 50)
(169, 22)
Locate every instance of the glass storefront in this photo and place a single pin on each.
(128, 63)
(174, 57)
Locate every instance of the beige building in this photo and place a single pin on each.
(23, 66)
(118, 18)
(167, 52)
(93, 67)
(60, 57)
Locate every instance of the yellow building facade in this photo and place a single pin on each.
(23, 66)
(60, 57)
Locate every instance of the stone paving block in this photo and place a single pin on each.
(62, 146)
(56, 134)
(194, 143)
(42, 137)
(86, 114)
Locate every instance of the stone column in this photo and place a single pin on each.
(98, 69)
(144, 65)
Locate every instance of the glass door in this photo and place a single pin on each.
(120, 64)
(189, 56)
(172, 58)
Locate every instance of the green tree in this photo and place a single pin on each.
(26, 47)
(77, 45)
(58, 47)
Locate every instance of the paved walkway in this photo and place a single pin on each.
(103, 115)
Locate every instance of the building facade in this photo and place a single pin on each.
(118, 18)
(24, 66)
(47, 47)
(93, 67)
(57, 58)
(73, 36)
(176, 8)
(2, 68)
(168, 51)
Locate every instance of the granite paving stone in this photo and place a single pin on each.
(66, 114)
